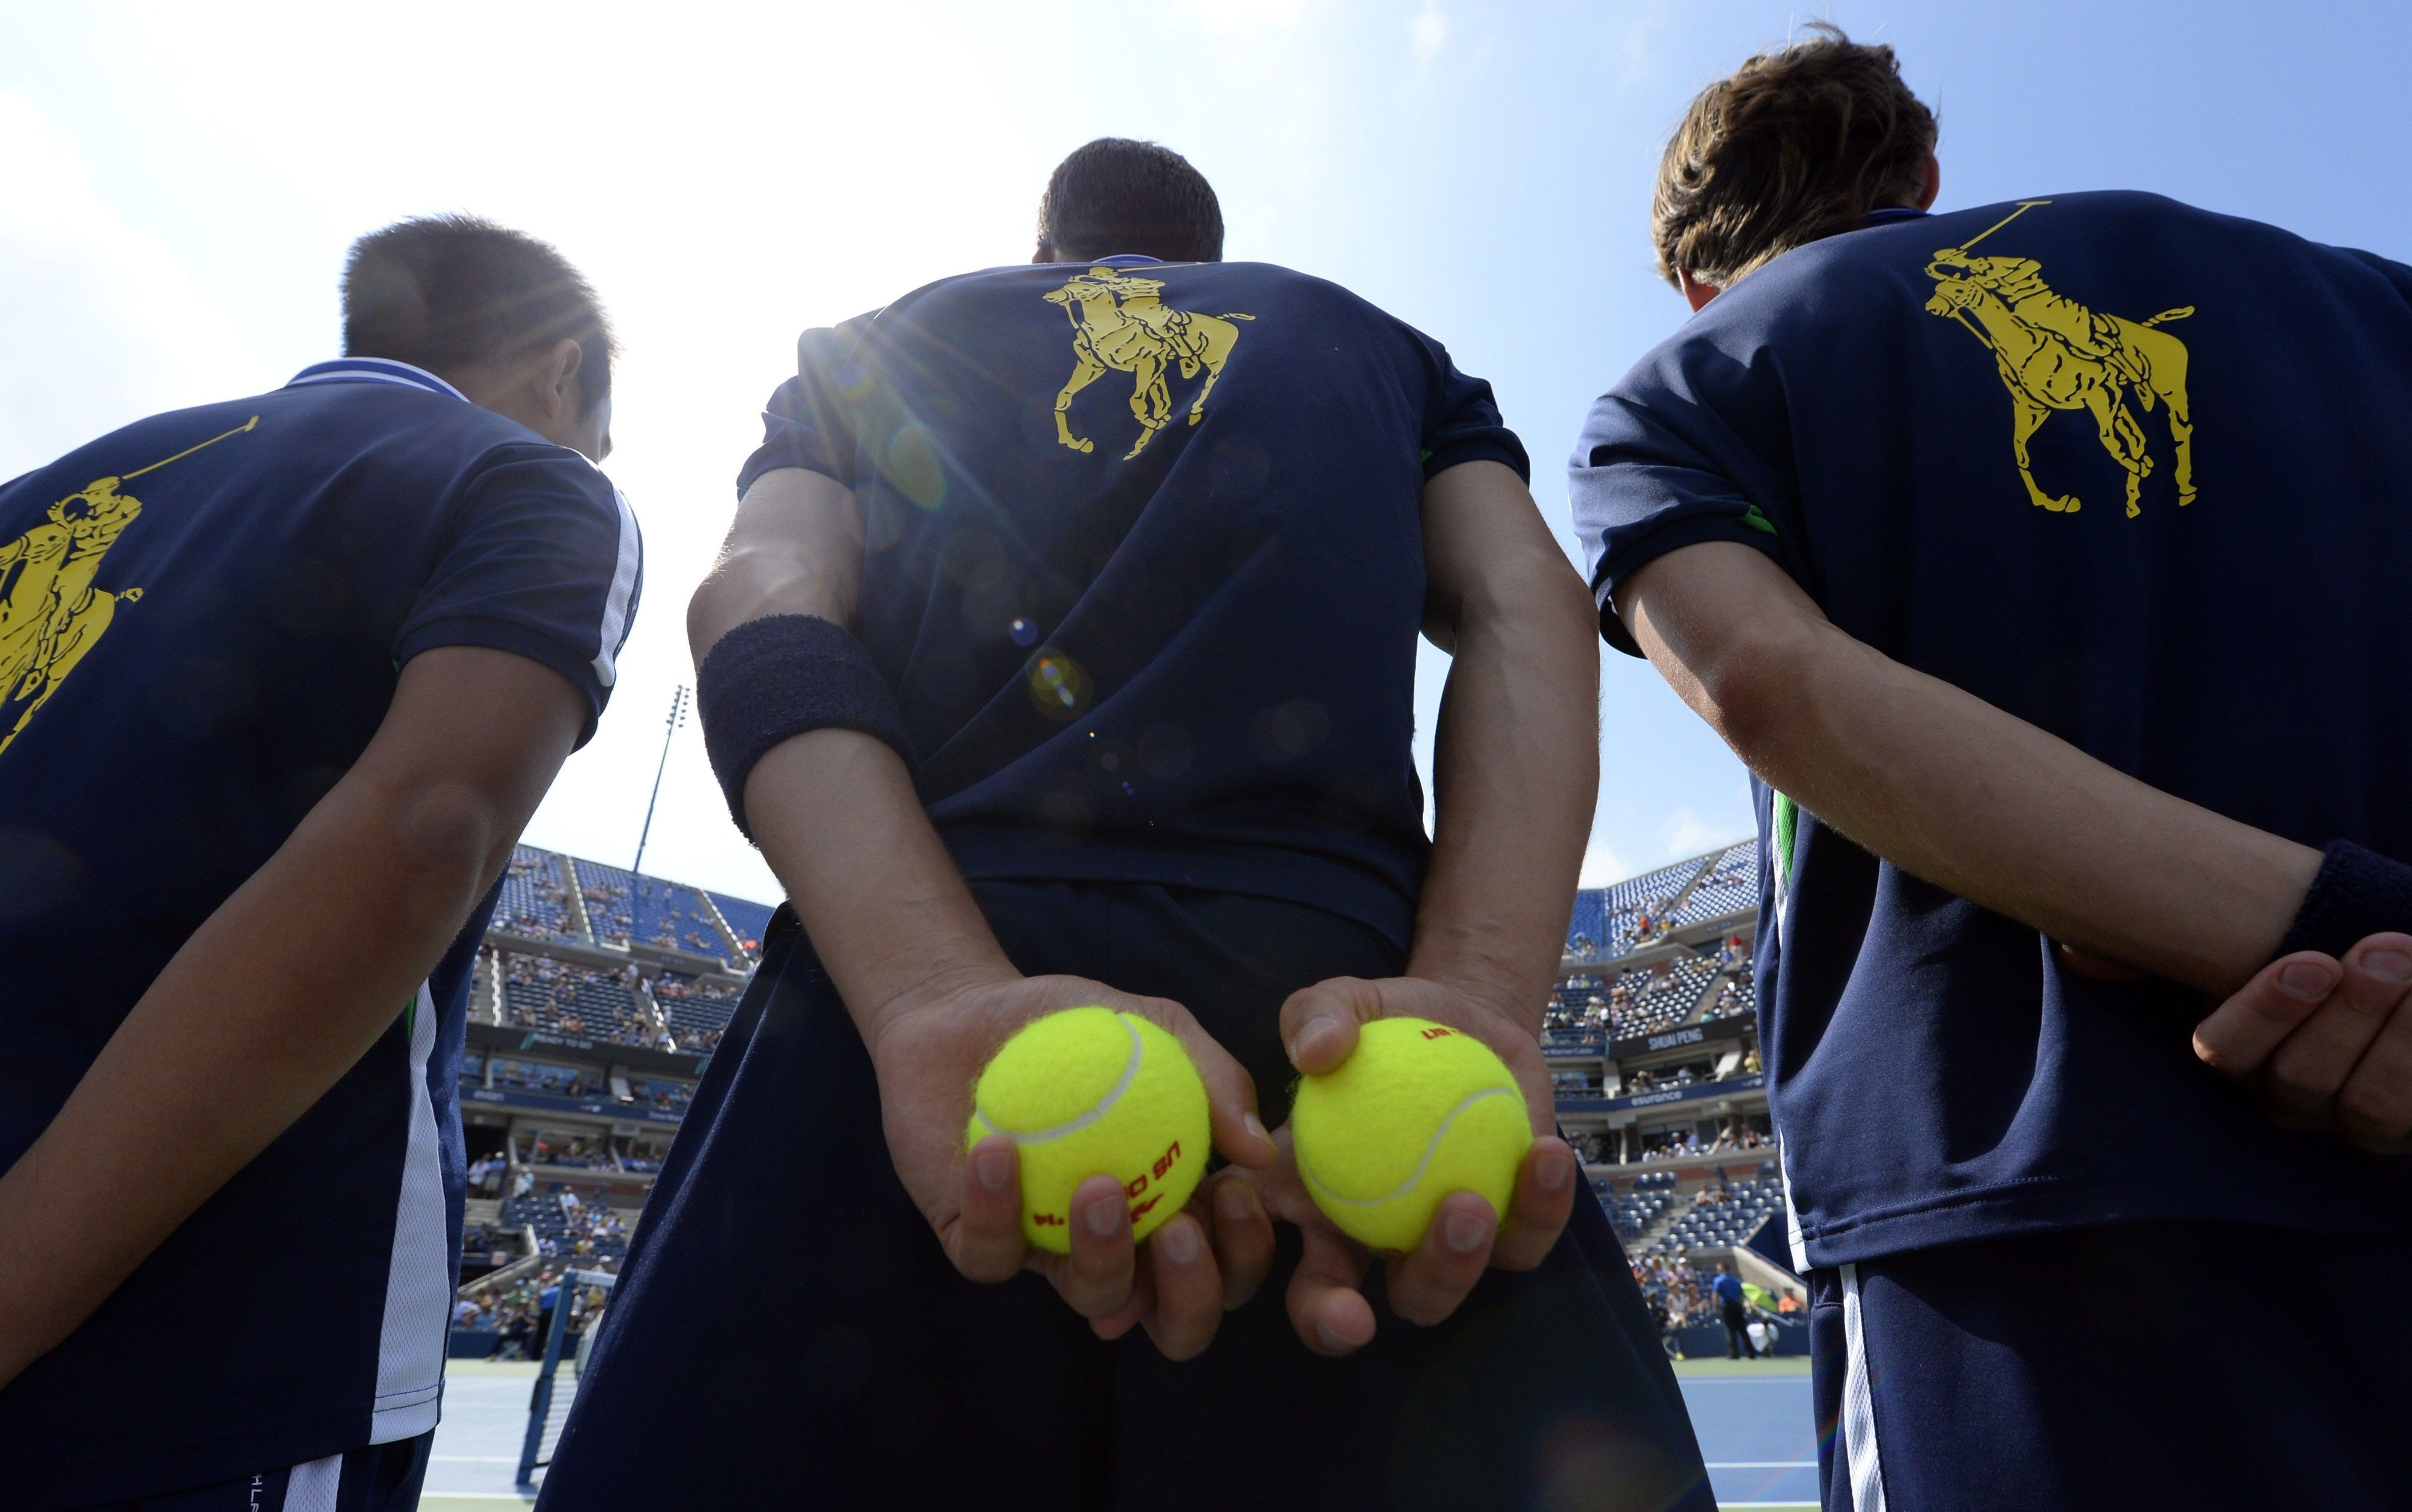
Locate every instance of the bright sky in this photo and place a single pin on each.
(178, 184)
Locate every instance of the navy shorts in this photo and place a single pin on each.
(786, 1332)
(2168, 1364)
(379, 1477)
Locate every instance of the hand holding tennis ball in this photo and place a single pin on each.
(929, 1047)
(1092, 1091)
(1416, 1111)
(1492, 1196)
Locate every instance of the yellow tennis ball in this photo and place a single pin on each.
(1090, 1092)
(1418, 1110)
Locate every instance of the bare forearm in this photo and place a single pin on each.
(251, 1022)
(1516, 771)
(1985, 805)
(837, 818)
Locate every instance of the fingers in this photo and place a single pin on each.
(1544, 1201)
(1187, 1292)
(1231, 1100)
(2304, 1073)
(1426, 1285)
(1243, 1239)
(1231, 1092)
(2240, 1034)
(1331, 1315)
(1095, 1279)
(988, 1242)
(1318, 1023)
(2374, 1108)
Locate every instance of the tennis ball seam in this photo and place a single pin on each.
(1432, 1148)
(1097, 1110)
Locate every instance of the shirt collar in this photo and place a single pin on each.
(1892, 213)
(374, 370)
(1122, 259)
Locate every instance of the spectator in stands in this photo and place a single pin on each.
(2013, 769)
(1419, 515)
(379, 607)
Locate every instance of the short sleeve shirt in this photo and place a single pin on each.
(2133, 473)
(1145, 565)
(202, 619)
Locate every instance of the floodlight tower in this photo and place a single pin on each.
(677, 717)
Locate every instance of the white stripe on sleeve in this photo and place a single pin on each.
(614, 630)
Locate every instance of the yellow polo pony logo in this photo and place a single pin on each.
(2053, 354)
(1120, 324)
(51, 615)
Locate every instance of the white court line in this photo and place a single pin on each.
(1762, 1464)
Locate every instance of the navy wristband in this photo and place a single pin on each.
(2357, 894)
(773, 679)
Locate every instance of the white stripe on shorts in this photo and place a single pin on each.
(312, 1487)
(1859, 1459)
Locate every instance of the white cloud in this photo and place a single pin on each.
(1640, 52)
(1601, 866)
(101, 325)
(1688, 834)
(1428, 31)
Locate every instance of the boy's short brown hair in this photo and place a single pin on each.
(1799, 143)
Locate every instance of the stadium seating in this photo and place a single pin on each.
(627, 908)
(558, 1231)
(1729, 886)
(534, 902)
(1726, 1215)
(696, 1011)
(1737, 992)
(1610, 921)
(540, 993)
(748, 921)
(1667, 1001)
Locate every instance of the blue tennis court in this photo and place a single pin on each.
(1753, 1417)
(1757, 1430)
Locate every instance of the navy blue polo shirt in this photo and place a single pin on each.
(1145, 565)
(203, 618)
(2134, 473)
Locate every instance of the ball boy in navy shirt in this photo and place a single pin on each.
(2017, 550)
(280, 680)
(1136, 543)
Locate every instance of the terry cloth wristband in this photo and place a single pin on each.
(2358, 893)
(773, 679)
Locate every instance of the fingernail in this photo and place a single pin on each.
(1257, 1126)
(1178, 1240)
(2388, 965)
(2306, 982)
(1234, 1203)
(1555, 1168)
(994, 1167)
(1105, 1217)
(1316, 1033)
(1465, 1233)
(1331, 1340)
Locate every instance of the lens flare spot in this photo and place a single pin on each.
(1059, 687)
(1024, 632)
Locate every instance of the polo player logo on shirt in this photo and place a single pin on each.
(49, 612)
(2054, 353)
(1120, 324)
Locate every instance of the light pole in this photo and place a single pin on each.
(677, 717)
